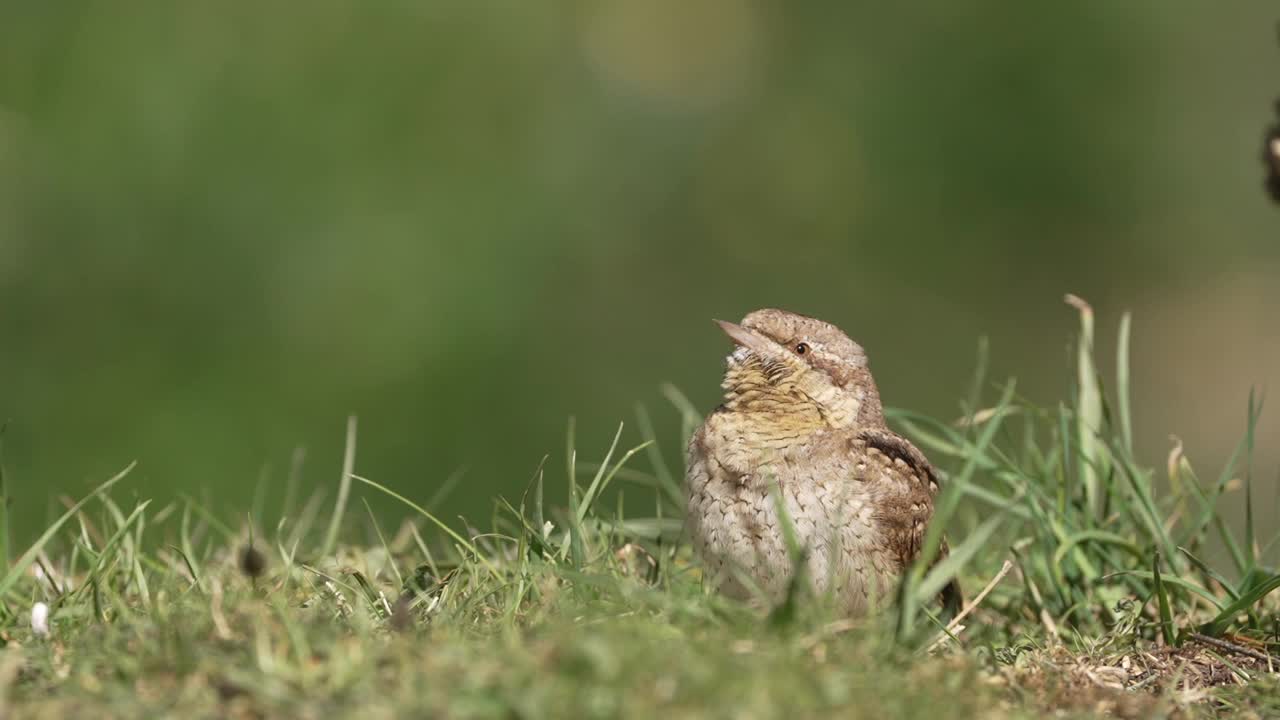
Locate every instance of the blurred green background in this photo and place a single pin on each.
(225, 226)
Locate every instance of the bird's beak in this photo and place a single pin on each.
(746, 338)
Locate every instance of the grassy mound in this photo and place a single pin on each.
(1089, 588)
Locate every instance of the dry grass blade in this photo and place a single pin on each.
(953, 628)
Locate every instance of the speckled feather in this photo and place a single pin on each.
(805, 427)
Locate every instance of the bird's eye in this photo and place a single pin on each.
(802, 348)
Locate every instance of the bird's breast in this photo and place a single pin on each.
(745, 490)
(759, 444)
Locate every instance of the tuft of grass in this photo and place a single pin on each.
(1097, 593)
(1090, 527)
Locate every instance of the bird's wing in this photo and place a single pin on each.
(906, 506)
(905, 456)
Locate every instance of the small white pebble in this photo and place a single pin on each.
(40, 619)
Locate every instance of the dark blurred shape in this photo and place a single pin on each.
(252, 562)
(1271, 156)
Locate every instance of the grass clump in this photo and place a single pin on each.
(1091, 529)
(1097, 595)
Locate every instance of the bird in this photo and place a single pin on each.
(797, 475)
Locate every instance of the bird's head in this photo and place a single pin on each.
(789, 364)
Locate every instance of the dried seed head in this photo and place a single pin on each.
(252, 562)
(40, 619)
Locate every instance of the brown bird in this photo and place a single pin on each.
(801, 427)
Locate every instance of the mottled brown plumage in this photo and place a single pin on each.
(801, 427)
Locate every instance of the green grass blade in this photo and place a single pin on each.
(223, 529)
(1098, 536)
(1210, 573)
(1219, 624)
(979, 381)
(539, 518)
(646, 528)
(382, 540)
(1067, 487)
(184, 538)
(594, 493)
(996, 500)
(1171, 580)
(690, 418)
(938, 437)
(589, 496)
(667, 481)
(1145, 510)
(574, 548)
(344, 489)
(949, 499)
(1210, 516)
(1088, 408)
(1250, 541)
(1122, 385)
(446, 488)
(1162, 601)
(191, 568)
